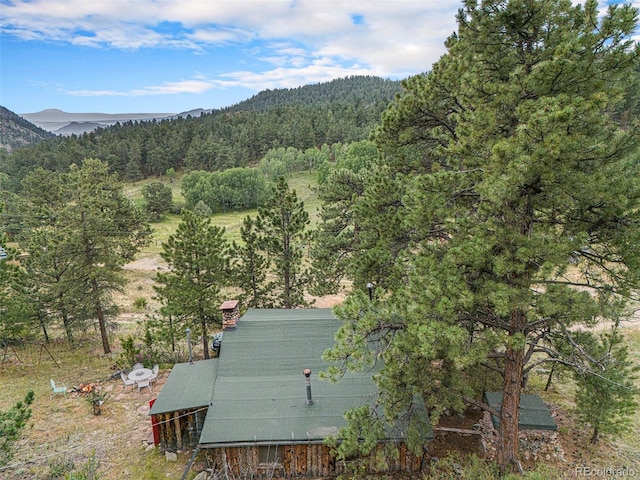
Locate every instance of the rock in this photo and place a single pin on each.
(171, 456)
(201, 476)
(143, 410)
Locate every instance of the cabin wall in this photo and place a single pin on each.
(181, 429)
(306, 460)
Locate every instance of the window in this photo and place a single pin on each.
(270, 454)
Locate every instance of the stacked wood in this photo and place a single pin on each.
(181, 429)
(303, 460)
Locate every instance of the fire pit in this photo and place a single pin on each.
(85, 388)
(92, 393)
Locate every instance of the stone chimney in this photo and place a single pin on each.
(230, 314)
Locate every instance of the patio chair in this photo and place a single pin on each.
(57, 388)
(126, 381)
(137, 366)
(154, 374)
(142, 384)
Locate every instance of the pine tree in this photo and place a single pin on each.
(158, 199)
(12, 422)
(607, 397)
(198, 258)
(103, 230)
(250, 268)
(80, 232)
(281, 224)
(338, 235)
(507, 208)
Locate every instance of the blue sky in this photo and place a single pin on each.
(169, 56)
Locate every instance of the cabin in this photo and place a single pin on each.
(260, 408)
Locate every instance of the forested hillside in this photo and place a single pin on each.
(353, 90)
(341, 111)
(16, 132)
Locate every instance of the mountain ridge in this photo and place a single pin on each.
(16, 131)
(57, 121)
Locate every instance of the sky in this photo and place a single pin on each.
(171, 56)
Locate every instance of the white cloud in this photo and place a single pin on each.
(391, 37)
(319, 71)
(297, 41)
(194, 86)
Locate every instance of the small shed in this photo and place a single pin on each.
(532, 415)
(182, 406)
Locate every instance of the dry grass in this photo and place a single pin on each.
(64, 429)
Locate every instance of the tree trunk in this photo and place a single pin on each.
(507, 454)
(102, 322)
(67, 327)
(171, 335)
(205, 339)
(594, 437)
(43, 326)
(546, 387)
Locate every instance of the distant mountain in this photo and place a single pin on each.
(196, 112)
(318, 116)
(65, 123)
(16, 132)
(354, 90)
(78, 128)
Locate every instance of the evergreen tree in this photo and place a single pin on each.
(281, 224)
(250, 267)
(12, 422)
(80, 236)
(50, 283)
(606, 398)
(508, 182)
(50, 267)
(158, 198)
(198, 258)
(336, 238)
(338, 235)
(106, 231)
(16, 318)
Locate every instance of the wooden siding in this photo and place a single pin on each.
(180, 430)
(302, 460)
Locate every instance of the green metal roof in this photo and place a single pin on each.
(256, 389)
(260, 393)
(532, 415)
(190, 385)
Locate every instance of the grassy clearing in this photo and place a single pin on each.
(302, 182)
(63, 429)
